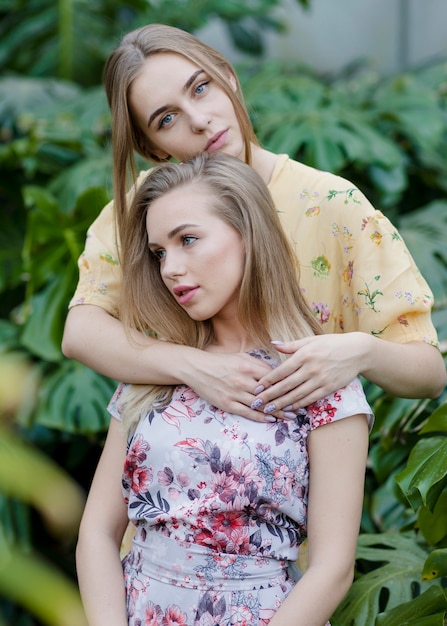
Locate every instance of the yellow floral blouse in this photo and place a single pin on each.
(355, 271)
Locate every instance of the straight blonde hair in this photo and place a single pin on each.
(271, 305)
(124, 66)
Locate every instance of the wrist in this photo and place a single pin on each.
(188, 363)
(366, 352)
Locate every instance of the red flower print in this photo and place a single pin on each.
(174, 617)
(226, 521)
(204, 538)
(153, 614)
(136, 454)
(321, 412)
(141, 479)
(238, 542)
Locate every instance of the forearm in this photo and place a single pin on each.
(315, 597)
(410, 370)
(101, 581)
(98, 340)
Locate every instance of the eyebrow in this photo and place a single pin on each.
(174, 232)
(165, 107)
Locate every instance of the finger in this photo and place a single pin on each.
(276, 393)
(280, 373)
(300, 398)
(255, 416)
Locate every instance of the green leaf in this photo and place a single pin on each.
(436, 565)
(433, 524)
(426, 473)
(395, 580)
(428, 609)
(74, 398)
(43, 329)
(437, 422)
(91, 175)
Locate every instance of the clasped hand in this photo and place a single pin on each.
(247, 386)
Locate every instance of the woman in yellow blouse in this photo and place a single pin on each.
(172, 96)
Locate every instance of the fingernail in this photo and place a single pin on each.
(257, 403)
(289, 407)
(289, 416)
(277, 343)
(270, 408)
(259, 389)
(270, 418)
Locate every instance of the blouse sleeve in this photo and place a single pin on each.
(345, 402)
(115, 406)
(385, 292)
(99, 269)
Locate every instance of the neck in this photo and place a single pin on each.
(263, 162)
(230, 336)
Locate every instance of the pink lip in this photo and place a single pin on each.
(184, 293)
(217, 141)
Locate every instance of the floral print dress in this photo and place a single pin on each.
(220, 507)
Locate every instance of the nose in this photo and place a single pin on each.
(199, 119)
(172, 267)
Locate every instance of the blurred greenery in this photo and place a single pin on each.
(388, 135)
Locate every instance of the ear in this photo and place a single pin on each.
(232, 80)
(160, 155)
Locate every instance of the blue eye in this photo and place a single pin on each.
(167, 119)
(188, 240)
(201, 88)
(159, 254)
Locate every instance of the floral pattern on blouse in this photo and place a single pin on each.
(220, 505)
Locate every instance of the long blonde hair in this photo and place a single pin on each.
(124, 66)
(271, 305)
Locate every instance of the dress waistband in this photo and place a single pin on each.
(198, 567)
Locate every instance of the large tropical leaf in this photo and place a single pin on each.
(433, 524)
(43, 329)
(298, 114)
(395, 581)
(54, 31)
(74, 398)
(428, 609)
(425, 475)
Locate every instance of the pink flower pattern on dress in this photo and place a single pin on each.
(231, 495)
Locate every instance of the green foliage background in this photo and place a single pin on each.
(388, 135)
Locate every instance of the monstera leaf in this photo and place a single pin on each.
(425, 476)
(397, 579)
(74, 398)
(428, 609)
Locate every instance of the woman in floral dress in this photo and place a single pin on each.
(220, 504)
